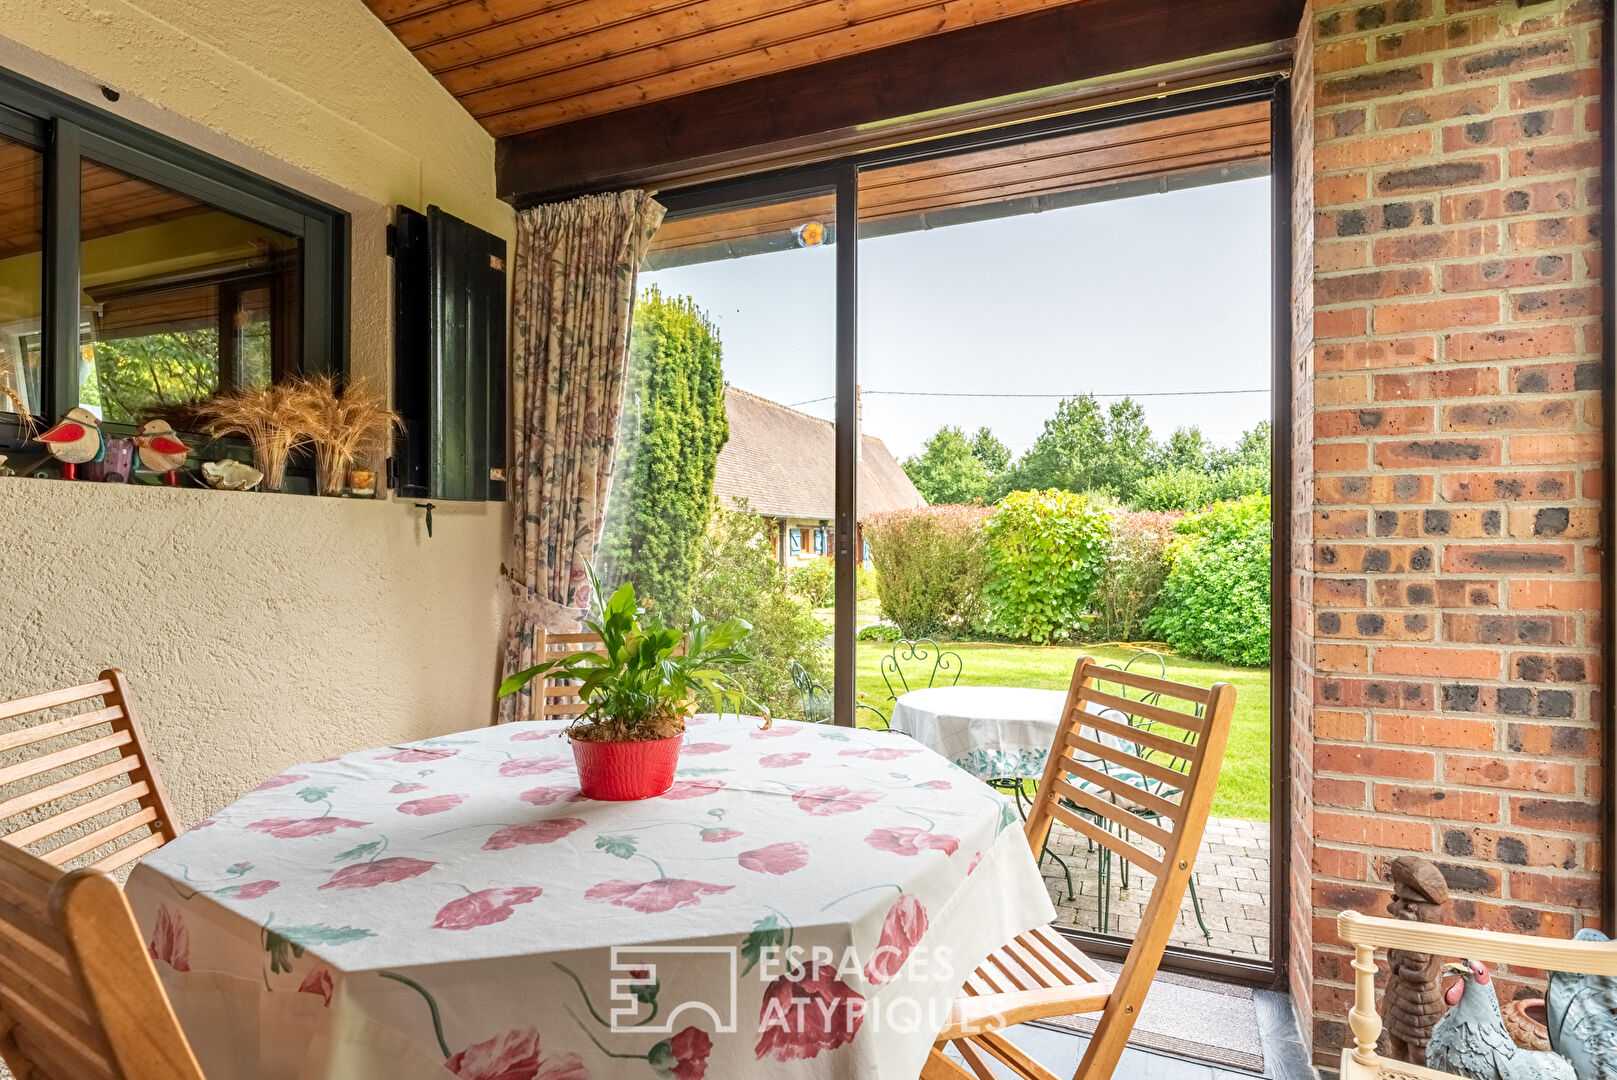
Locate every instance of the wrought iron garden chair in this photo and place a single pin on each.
(817, 704)
(944, 670)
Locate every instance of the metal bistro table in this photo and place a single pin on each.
(456, 908)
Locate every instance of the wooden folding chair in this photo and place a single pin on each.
(79, 997)
(1041, 974)
(558, 698)
(81, 786)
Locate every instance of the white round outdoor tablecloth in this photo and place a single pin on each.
(456, 908)
(992, 732)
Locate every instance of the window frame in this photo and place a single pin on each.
(67, 131)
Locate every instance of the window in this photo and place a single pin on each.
(139, 276)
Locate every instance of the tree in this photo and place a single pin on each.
(1084, 448)
(947, 471)
(673, 427)
(986, 448)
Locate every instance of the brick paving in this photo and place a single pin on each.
(1232, 880)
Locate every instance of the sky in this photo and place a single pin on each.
(1152, 294)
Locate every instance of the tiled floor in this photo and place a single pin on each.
(1284, 1056)
(1232, 882)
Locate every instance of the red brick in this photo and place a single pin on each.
(1509, 58)
(1438, 453)
(1339, 189)
(1340, 457)
(1510, 559)
(1492, 487)
(1336, 156)
(1341, 423)
(1341, 390)
(1555, 595)
(1436, 314)
(1343, 323)
(1515, 773)
(1561, 378)
(1447, 382)
(1500, 629)
(1509, 131)
(1552, 413)
(1360, 558)
(1366, 355)
(1460, 593)
(1556, 87)
(1561, 157)
(1548, 197)
(1560, 449)
(1436, 731)
(1342, 659)
(1541, 234)
(1510, 848)
(1374, 285)
(1410, 110)
(1372, 831)
(1375, 761)
(1373, 84)
(1443, 175)
(1562, 815)
(1524, 344)
(1449, 805)
(1506, 273)
(1435, 662)
(1424, 247)
(1571, 523)
(1342, 794)
(1340, 863)
(1561, 891)
(1551, 304)
(1330, 724)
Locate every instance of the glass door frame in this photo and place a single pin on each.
(841, 177)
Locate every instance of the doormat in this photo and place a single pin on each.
(1192, 1018)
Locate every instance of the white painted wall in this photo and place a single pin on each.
(262, 630)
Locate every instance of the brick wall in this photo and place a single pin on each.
(1446, 590)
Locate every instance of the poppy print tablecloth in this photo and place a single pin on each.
(805, 902)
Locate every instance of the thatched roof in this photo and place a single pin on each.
(783, 463)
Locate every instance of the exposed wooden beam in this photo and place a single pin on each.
(881, 93)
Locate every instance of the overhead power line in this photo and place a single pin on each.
(974, 394)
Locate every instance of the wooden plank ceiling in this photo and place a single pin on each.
(112, 202)
(523, 65)
(1172, 146)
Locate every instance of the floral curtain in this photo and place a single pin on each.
(573, 299)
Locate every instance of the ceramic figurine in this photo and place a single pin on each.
(230, 475)
(6, 470)
(1413, 1001)
(116, 464)
(161, 450)
(74, 441)
(1471, 1039)
(1582, 1018)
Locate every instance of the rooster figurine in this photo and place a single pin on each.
(1471, 1039)
(74, 441)
(161, 450)
(1582, 1012)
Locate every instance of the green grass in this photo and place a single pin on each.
(1243, 784)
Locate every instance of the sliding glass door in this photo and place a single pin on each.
(724, 497)
(849, 382)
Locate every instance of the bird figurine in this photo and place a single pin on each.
(1471, 1039)
(75, 440)
(1582, 1018)
(161, 450)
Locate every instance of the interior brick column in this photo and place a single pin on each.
(1446, 580)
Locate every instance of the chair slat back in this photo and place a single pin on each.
(1136, 776)
(79, 997)
(558, 698)
(76, 781)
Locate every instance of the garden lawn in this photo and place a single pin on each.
(1243, 784)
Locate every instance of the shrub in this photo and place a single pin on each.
(815, 582)
(739, 576)
(1136, 565)
(932, 567)
(1047, 551)
(1215, 601)
(1188, 489)
(865, 587)
(880, 632)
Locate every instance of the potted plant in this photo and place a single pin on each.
(638, 692)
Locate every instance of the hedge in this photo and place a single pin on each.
(932, 567)
(1047, 553)
(1215, 602)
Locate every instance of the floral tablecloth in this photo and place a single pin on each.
(992, 732)
(805, 902)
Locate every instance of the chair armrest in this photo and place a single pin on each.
(1368, 932)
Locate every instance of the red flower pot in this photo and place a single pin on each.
(621, 771)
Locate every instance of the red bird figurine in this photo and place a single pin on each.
(161, 450)
(74, 441)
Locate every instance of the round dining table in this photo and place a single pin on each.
(992, 732)
(804, 902)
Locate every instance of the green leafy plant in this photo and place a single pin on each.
(932, 568)
(1215, 601)
(1047, 551)
(1136, 566)
(880, 632)
(646, 680)
(814, 581)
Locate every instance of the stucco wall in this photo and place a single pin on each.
(262, 630)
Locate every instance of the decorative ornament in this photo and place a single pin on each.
(230, 475)
(1413, 1001)
(161, 450)
(74, 441)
